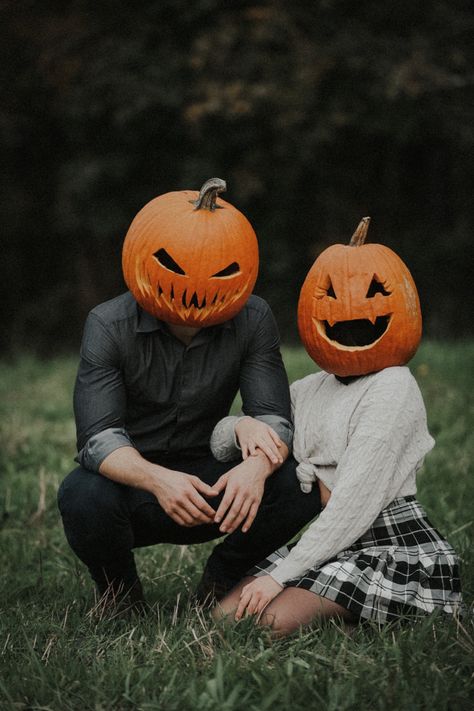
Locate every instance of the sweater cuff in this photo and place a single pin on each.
(224, 445)
(282, 427)
(287, 570)
(100, 445)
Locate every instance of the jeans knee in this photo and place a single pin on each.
(93, 513)
(87, 499)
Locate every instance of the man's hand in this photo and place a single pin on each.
(256, 595)
(244, 485)
(253, 434)
(180, 497)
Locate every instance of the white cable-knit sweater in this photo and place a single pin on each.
(365, 441)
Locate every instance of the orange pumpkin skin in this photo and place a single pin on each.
(352, 273)
(202, 243)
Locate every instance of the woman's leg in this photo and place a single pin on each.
(229, 604)
(291, 609)
(296, 607)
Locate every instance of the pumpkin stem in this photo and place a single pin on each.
(358, 238)
(208, 194)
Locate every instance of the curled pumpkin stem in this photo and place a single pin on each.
(208, 194)
(358, 238)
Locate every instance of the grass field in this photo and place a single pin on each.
(55, 655)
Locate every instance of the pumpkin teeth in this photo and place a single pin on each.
(194, 301)
(357, 333)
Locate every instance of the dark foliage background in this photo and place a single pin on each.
(315, 112)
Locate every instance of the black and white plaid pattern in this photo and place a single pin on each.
(400, 566)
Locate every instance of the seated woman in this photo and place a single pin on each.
(372, 553)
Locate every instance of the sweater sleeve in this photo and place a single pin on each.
(224, 444)
(388, 439)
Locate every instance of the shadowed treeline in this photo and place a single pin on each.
(316, 113)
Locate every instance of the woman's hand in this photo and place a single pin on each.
(256, 595)
(253, 434)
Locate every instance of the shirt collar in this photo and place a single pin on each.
(146, 323)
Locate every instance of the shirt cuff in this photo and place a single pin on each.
(224, 444)
(282, 427)
(100, 445)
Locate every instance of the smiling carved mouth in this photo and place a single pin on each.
(358, 332)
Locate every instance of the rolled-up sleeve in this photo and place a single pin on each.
(99, 397)
(263, 380)
(224, 444)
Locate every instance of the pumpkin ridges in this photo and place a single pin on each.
(355, 268)
(201, 242)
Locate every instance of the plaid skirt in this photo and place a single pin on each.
(400, 566)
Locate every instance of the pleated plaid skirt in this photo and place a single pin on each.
(400, 567)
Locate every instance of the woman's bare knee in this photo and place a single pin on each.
(295, 608)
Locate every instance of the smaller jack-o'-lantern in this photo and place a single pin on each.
(191, 258)
(359, 310)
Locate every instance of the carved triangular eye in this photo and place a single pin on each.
(228, 271)
(330, 292)
(376, 287)
(168, 262)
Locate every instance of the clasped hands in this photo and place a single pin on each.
(182, 495)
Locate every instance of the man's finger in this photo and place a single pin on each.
(245, 452)
(228, 524)
(251, 517)
(221, 483)
(196, 512)
(203, 487)
(202, 505)
(177, 519)
(225, 503)
(242, 514)
(184, 516)
(252, 448)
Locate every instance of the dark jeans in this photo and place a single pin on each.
(104, 521)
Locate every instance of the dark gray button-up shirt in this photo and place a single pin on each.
(140, 386)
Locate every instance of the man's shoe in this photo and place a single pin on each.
(116, 602)
(211, 589)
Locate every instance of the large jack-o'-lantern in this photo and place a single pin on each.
(359, 310)
(191, 258)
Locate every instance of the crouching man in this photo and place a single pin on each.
(160, 366)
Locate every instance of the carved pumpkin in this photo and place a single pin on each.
(191, 258)
(359, 310)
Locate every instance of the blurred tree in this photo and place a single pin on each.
(315, 114)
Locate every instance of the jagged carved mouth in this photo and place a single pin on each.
(189, 305)
(193, 300)
(357, 332)
(189, 301)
